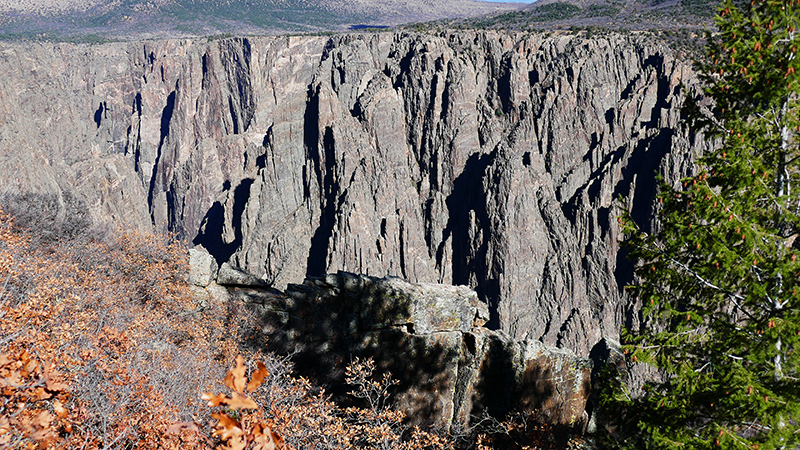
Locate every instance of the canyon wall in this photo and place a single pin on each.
(492, 160)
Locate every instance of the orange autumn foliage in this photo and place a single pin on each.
(103, 345)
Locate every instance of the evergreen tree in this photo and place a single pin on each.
(720, 282)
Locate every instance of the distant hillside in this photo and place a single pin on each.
(134, 19)
(617, 14)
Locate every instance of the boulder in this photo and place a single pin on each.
(231, 276)
(202, 267)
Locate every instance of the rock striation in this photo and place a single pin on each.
(430, 337)
(487, 159)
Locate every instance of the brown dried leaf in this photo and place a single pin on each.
(31, 366)
(257, 378)
(177, 427)
(215, 400)
(266, 439)
(262, 439)
(60, 410)
(53, 385)
(227, 427)
(235, 443)
(43, 419)
(277, 439)
(236, 379)
(259, 430)
(41, 394)
(24, 357)
(14, 379)
(241, 402)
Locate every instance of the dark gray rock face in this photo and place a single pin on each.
(484, 159)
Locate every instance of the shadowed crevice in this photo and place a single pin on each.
(100, 114)
(166, 118)
(318, 253)
(211, 232)
(662, 90)
(645, 165)
(469, 228)
(504, 83)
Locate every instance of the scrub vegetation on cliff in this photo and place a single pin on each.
(103, 345)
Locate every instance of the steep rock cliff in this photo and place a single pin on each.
(478, 158)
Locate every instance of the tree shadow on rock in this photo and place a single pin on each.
(327, 322)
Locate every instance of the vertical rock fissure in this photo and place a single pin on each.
(402, 250)
(234, 116)
(241, 101)
(137, 146)
(468, 230)
(317, 262)
(166, 118)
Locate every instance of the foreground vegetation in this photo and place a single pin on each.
(719, 281)
(103, 346)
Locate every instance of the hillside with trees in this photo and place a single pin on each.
(93, 21)
(597, 15)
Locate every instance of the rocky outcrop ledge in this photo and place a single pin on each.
(429, 336)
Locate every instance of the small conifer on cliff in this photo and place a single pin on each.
(720, 282)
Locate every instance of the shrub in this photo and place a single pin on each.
(118, 322)
(48, 217)
(103, 346)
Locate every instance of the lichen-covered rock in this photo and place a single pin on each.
(228, 275)
(202, 267)
(430, 337)
(423, 308)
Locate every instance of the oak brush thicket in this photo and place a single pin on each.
(102, 345)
